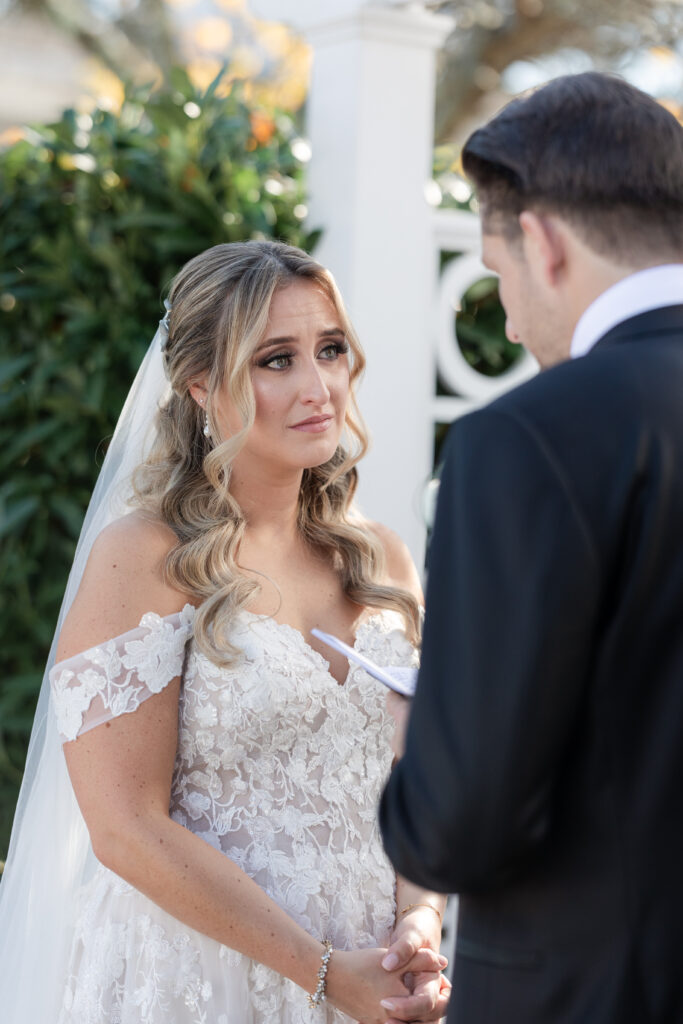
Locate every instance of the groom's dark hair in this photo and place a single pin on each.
(593, 149)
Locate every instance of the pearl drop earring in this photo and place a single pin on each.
(206, 431)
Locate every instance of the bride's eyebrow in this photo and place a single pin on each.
(271, 342)
(328, 332)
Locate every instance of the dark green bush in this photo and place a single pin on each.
(97, 213)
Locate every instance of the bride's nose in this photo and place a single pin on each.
(314, 387)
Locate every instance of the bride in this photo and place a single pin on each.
(221, 861)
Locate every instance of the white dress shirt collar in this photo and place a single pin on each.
(637, 293)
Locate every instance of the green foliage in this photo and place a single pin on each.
(97, 213)
(480, 330)
(480, 333)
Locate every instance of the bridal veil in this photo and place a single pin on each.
(50, 856)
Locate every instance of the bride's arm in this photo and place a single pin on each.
(121, 772)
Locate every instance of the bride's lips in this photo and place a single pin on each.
(314, 424)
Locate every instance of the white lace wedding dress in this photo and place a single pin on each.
(280, 768)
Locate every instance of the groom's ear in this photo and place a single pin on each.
(544, 246)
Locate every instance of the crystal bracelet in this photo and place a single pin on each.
(318, 996)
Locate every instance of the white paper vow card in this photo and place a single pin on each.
(401, 680)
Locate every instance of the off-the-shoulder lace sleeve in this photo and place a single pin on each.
(115, 677)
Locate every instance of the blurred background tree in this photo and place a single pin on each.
(494, 39)
(487, 56)
(103, 43)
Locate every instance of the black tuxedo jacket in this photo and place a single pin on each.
(543, 773)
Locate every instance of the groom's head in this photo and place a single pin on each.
(580, 183)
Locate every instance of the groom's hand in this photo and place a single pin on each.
(399, 709)
(417, 932)
(428, 1001)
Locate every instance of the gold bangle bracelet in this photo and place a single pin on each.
(411, 906)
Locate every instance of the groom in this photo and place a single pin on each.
(543, 769)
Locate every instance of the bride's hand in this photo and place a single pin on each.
(430, 991)
(357, 983)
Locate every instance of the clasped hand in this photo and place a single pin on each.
(392, 986)
(413, 936)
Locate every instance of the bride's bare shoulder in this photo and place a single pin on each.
(135, 535)
(123, 579)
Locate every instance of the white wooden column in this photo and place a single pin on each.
(370, 115)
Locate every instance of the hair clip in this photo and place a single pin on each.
(163, 325)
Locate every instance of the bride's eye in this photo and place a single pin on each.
(334, 350)
(278, 361)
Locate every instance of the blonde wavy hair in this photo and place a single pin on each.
(220, 303)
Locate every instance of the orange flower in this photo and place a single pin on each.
(262, 127)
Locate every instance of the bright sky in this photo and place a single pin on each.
(657, 71)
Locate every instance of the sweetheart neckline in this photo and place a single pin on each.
(309, 647)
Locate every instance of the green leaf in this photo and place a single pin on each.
(26, 439)
(13, 367)
(16, 514)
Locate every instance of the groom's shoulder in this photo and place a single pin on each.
(578, 403)
(567, 382)
(588, 388)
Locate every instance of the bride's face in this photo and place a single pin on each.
(300, 377)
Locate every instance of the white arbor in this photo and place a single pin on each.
(370, 115)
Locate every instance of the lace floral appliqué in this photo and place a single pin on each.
(114, 678)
